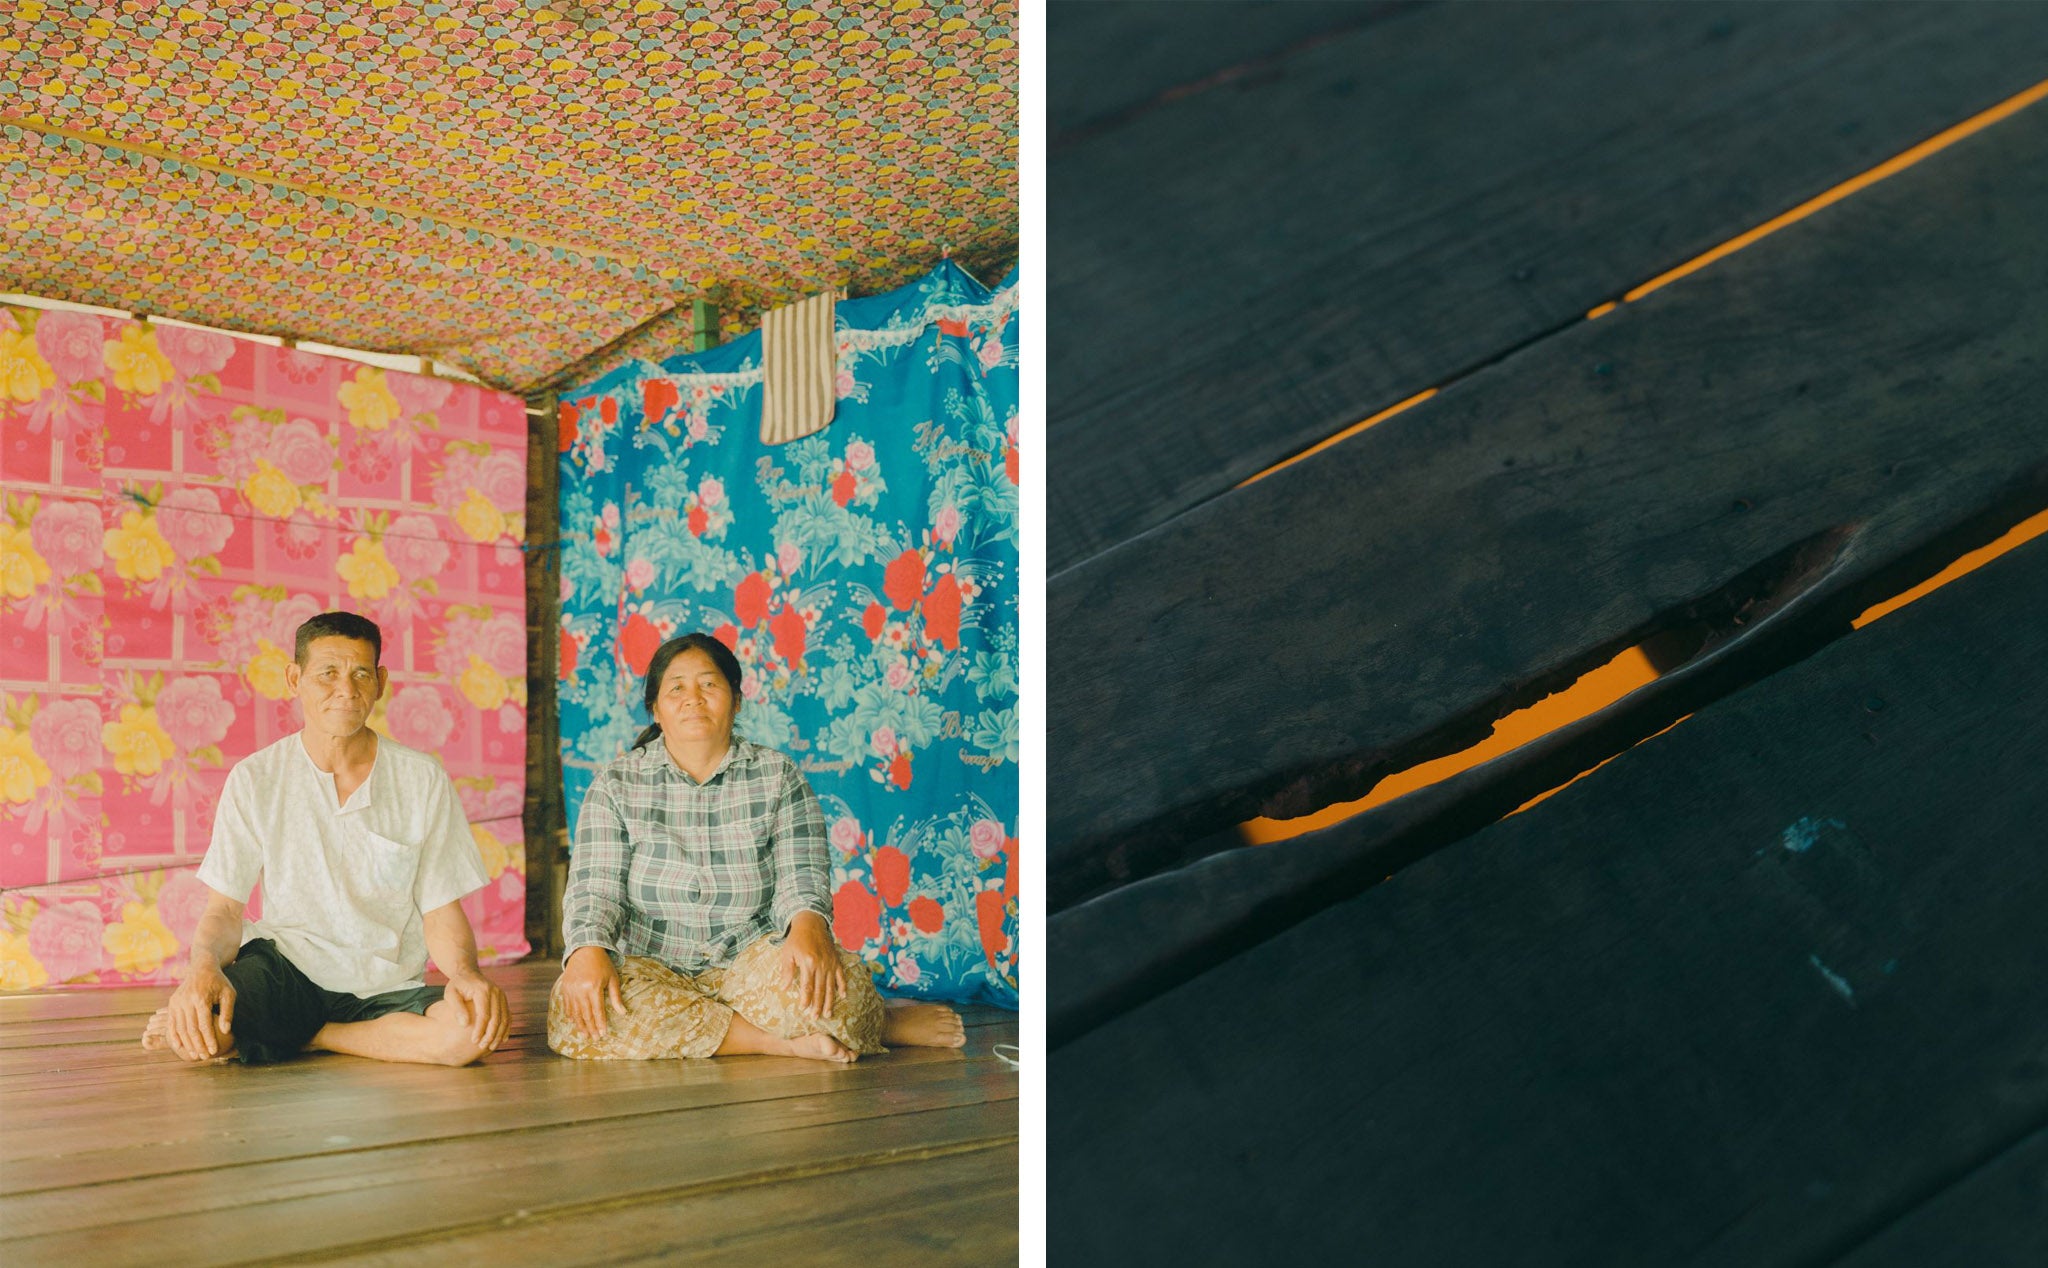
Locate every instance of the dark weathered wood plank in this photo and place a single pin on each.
(1104, 61)
(1739, 997)
(1247, 270)
(955, 1208)
(1113, 952)
(1805, 423)
(1994, 1217)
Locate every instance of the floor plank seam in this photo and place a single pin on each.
(1885, 1220)
(1798, 617)
(1264, 65)
(1692, 263)
(527, 1217)
(508, 1132)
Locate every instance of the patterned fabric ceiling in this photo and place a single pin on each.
(505, 185)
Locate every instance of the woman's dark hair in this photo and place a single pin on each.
(721, 656)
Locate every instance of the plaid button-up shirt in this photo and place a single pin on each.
(690, 873)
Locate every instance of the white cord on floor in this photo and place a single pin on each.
(1014, 1060)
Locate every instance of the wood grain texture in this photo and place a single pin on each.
(306, 1210)
(949, 1209)
(1111, 953)
(279, 1124)
(1747, 995)
(1994, 1217)
(112, 1155)
(1247, 270)
(1104, 61)
(1819, 410)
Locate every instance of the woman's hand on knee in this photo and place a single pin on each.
(810, 967)
(588, 982)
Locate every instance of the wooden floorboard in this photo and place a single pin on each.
(1104, 61)
(112, 1155)
(1996, 1216)
(1244, 271)
(1808, 426)
(1750, 993)
(864, 1215)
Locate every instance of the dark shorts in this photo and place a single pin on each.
(278, 1009)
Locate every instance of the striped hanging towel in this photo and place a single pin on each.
(799, 369)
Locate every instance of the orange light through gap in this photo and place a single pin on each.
(1594, 690)
(1346, 434)
(1603, 686)
(1589, 770)
(1890, 167)
(2025, 530)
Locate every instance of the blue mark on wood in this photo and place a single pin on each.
(1801, 836)
(1836, 980)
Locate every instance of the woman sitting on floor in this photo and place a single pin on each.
(699, 911)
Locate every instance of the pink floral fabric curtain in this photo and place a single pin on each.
(173, 502)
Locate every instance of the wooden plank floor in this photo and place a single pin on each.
(1282, 220)
(111, 1155)
(1814, 423)
(1764, 990)
(1762, 987)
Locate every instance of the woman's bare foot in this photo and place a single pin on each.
(743, 1036)
(922, 1026)
(156, 1037)
(822, 1048)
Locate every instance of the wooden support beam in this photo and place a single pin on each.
(703, 325)
(544, 811)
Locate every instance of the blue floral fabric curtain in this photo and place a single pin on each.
(867, 578)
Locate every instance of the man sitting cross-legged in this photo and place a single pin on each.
(364, 854)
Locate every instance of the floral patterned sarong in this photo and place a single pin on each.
(671, 1014)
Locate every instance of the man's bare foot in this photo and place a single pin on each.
(922, 1026)
(156, 1037)
(822, 1048)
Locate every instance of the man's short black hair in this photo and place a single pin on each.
(338, 625)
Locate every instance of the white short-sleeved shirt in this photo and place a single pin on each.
(343, 886)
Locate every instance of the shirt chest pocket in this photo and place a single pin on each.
(737, 843)
(388, 866)
(751, 866)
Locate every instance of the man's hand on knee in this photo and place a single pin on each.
(195, 1033)
(485, 1013)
